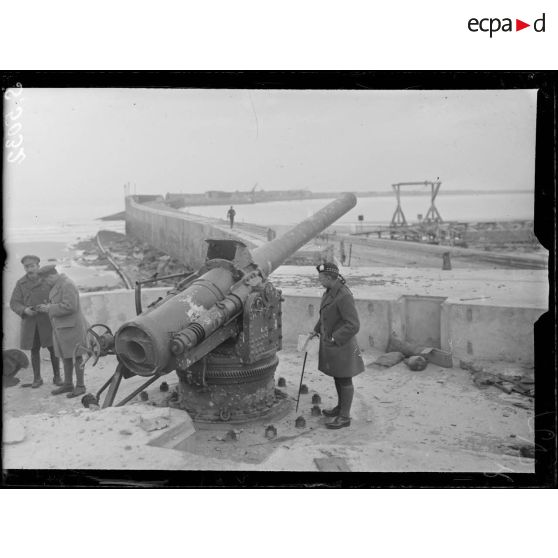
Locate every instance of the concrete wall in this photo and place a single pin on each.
(300, 314)
(469, 331)
(494, 332)
(183, 237)
(170, 231)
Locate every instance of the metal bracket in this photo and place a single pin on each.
(180, 286)
(186, 360)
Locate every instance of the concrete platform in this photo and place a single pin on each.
(527, 288)
(435, 420)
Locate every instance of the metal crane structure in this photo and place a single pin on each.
(432, 216)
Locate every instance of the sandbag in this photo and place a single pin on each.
(416, 363)
(389, 359)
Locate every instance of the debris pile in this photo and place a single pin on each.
(514, 379)
(137, 259)
(416, 357)
(155, 420)
(431, 354)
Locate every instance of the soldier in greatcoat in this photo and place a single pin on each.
(339, 354)
(69, 328)
(36, 330)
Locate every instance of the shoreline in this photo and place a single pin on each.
(67, 259)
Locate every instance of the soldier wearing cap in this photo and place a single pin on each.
(36, 330)
(69, 327)
(339, 354)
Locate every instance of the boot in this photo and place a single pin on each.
(335, 410)
(80, 379)
(76, 392)
(63, 389)
(36, 365)
(37, 382)
(68, 384)
(339, 422)
(56, 379)
(346, 392)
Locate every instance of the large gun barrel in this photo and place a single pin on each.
(149, 343)
(271, 255)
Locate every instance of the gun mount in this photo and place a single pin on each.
(219, 329)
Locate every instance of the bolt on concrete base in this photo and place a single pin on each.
(144, 396)
(271, 432)
(316, 411)
(316, 399)
(281, 382)
(231, 436)
(89, 399)
(303, 389)
(300, 422)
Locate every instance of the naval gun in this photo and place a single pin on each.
(219, 328)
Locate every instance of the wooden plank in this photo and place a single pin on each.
(331, 464)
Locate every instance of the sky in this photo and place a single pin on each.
(83, 145)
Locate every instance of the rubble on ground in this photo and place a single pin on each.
(511, 378)
(137, 259)
(430, 354)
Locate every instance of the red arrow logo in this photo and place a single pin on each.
(519, 25)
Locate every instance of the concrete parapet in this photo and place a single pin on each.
(499, 333)
(180, 236)
(183, 235)
(493, 332)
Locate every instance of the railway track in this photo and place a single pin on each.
(127, 281)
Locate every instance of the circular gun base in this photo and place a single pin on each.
(231, 393)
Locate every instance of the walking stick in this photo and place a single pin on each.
(301, 376)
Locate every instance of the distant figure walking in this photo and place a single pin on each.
(342, 254)
(230, 214)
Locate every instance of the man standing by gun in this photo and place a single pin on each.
(339, 354)
(69, 327)
(36, 330)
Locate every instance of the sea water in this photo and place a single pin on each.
(380, 209)
(49, 231)
(72, 221)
